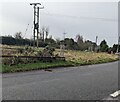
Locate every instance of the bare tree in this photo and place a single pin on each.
(47, 32)
(80, 42)
(18, 35)
(79, 39)
(57, 40)
(43, 33)
(40, 34)
(50, 37)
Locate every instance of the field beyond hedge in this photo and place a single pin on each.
(73, 58)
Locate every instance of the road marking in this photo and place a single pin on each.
(115, 94)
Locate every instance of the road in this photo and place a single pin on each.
(92, 82)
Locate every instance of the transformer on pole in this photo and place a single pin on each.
(36, 22)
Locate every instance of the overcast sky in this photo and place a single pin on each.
(89, 19)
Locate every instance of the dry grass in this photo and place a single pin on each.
(78, 56)
(13, 50)
(75, 56)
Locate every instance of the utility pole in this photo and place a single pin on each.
(62, 46)
(95, 46)
(96, 39)
(64, 35)
(38, 26)
(36, 22)
(118, 44)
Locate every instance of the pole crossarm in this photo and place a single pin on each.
(35, 4)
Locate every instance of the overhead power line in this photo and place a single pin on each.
(81, 17)
(108, 37)
(25, 31)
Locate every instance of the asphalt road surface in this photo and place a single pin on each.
(92, 82)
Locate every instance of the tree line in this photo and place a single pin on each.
(69, 43)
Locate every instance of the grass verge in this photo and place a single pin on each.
(34, 66)
(55, 64)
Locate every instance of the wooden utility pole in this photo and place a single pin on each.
(64, 35)
(95, 46)
(38, 26)
(62, 46)
(96, 39)
(118, 44)
(36, 22)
